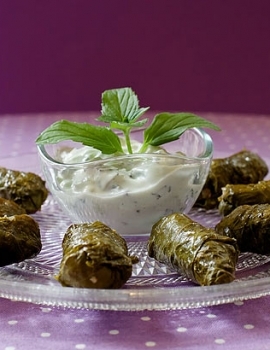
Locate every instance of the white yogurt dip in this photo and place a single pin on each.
(131, 194)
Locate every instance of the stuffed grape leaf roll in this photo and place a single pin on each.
(250, 226)
(201, 254)
(240, 168)
(240, 194)
(19, 239)
(24, 188)
(94, 256)
(9, 208)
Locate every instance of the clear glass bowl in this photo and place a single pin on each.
(130, 193)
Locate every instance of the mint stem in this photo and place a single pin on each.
(143, 148)
(128, 143)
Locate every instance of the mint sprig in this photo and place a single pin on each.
(120, 109)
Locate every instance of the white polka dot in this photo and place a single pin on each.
(150, 344)
(219, 341)
(211, 316)
(248, 326)
(12, 322)
(113, 332)
(10, 348)
(80, 346)
(239, 303)
(79, 320)
(46, 309)
(45, 335)
(145, 318)
(181, 329)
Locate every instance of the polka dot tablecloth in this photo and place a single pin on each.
(242, 325)
(239, 325)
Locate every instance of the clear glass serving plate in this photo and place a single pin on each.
(152, 286)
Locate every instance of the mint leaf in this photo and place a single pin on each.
(167, 127)
(99, 137)
(120, 105)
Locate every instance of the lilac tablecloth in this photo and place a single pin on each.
(240, 325)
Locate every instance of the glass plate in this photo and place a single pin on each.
(152, 286)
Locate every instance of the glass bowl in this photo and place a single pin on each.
(130, 192)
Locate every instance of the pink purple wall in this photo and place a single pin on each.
(196, 55)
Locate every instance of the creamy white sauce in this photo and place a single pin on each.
(129, 200)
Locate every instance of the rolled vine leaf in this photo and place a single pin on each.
(20, 238)
(243, 167)
(235, 195)
(94, 256)
(250, 226)
(199, 253)
(24, 188)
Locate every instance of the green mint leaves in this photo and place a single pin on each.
(122, 107)
(167, 127)
(121, 111)
(98, 137)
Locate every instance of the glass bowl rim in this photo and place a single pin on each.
(207, 154)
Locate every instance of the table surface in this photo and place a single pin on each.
(240, 325)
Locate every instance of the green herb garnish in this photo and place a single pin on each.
(120, 109)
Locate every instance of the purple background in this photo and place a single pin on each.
(194, 55)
